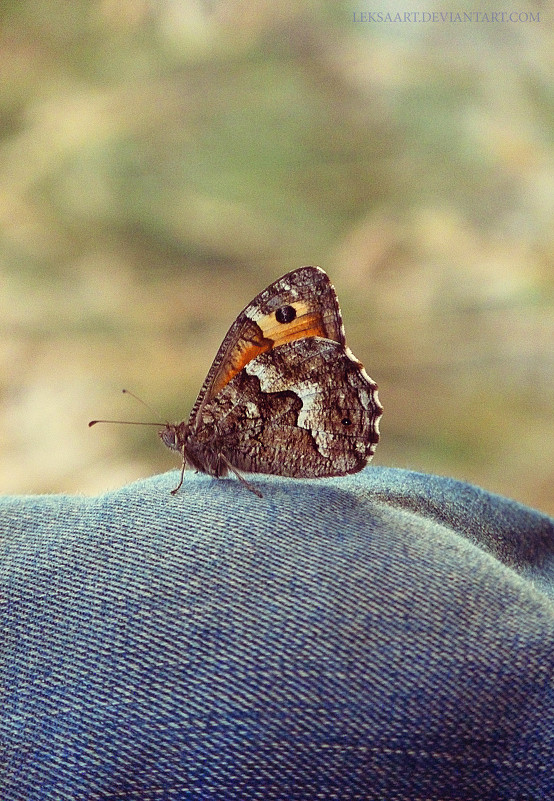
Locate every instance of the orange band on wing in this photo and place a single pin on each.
(304, 327)
(271, 335)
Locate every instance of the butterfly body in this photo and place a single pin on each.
(284, 395)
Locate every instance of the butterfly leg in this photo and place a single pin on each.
(183, 466)
(234, 470)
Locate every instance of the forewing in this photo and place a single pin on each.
(300, 305)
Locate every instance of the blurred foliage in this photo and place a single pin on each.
(161, 162)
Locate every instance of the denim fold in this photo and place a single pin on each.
(387, 635)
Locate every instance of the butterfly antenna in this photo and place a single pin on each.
(140, 400)
(126, 423)
(131, 422)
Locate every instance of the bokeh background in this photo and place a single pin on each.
(162, 161)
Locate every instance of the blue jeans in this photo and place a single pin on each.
(388, 635)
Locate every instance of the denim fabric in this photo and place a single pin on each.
(388, 635)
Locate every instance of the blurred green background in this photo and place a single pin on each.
(161, 162)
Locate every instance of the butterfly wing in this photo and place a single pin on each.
(299, 305)
(305, 409)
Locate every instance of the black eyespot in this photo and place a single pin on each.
(285, 314)
(346, 421)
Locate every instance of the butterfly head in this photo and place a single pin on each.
(174, 435)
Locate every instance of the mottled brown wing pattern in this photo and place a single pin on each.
(284, 395)
(301, 304)
(304, 409)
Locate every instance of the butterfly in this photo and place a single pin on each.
(284, 395)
